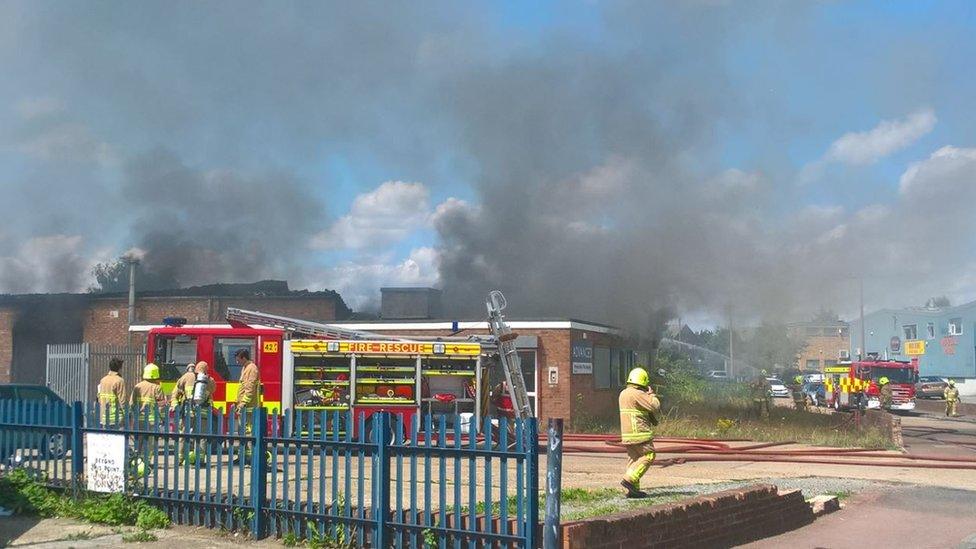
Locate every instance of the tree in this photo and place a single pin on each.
(771, 347)
(113, 277)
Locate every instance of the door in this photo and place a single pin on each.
(226, 367)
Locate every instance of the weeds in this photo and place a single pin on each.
(24, 494)
(141, 536)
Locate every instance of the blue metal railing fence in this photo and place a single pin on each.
(379, 481)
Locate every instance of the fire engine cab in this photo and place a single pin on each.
(852, 384)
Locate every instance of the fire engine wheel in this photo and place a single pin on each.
(56, 446)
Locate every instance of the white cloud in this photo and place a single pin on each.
(889, 136)
(359, 282)
(39, 106)
(947, 169)
(379, 218)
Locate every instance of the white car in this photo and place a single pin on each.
(717, 374)
(778, 388)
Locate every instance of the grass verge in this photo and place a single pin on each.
(24, 494)
(729, 415)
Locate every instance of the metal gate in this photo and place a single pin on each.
(74, 369)
(67, 371)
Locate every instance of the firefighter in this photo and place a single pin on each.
(183, 391)
(760, 389)
(199, 401)
(799, 398)
(951, 395)
(249, 393)
(885, 393)
(111, 392)
(147, 397)
(638, 404)
(248, 396)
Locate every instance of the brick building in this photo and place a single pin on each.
(573, 369)
(30, 322)
(826, 342)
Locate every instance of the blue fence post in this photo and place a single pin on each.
(259, 471)
(554, 478)
(77, 444)
(532, 446)
(381, 479)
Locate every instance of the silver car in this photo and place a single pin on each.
(778, 388)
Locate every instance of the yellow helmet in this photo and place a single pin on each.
(883, 381)
(150, 371)
(638, 376)
(798, 379)
(952, 383)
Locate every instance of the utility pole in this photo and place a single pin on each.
(731, 353)
(864, 342)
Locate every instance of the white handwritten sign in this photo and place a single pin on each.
(105, 468)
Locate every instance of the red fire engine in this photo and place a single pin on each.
(335, 370)
(846, 383)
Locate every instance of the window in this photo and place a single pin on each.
(930, 330)
(601, 368)
(224, 362)
(911, 331)
(811, 332)
(829, 362)
(844, 332)
(955, 326)
(830, 332)
(813, 365)
(172, 354)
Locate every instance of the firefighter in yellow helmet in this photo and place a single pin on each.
(147, 398)
(799, 398)
(638, 404)
(147, 395)
(885, 393)
(111, 393)
(951, 395)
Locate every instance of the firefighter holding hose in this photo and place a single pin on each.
(638, 404)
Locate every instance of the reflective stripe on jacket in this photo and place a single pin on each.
(147, 396)
(637, 407)
(951, 394)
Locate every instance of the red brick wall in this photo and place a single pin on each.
(7, 317)
(722, 519)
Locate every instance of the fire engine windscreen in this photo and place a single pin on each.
(894, 375)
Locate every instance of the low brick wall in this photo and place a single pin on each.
(722, 519)
(890, 424)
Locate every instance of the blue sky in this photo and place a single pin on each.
(817, 108)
